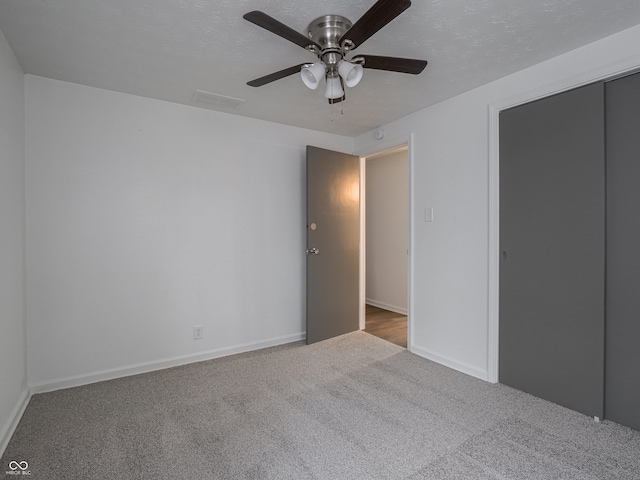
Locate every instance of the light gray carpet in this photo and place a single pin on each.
(354, 407)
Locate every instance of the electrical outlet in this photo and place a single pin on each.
(198, 332)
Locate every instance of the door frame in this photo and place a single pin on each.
(382, 147)
(603, 73)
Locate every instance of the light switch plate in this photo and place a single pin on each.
(428, 214)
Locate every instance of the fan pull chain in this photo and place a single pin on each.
(332, 113)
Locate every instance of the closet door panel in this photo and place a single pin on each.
(622, 385)
(552, 217)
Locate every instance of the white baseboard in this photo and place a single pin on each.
(386, 306)
(448, 362)
(16, 414)
(85, 379)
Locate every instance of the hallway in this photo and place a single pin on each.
(389, 326)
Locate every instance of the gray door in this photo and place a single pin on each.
(622, 386)
(552, 249)
(333, 243)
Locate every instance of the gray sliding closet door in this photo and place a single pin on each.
(552, 218)
(622, 385)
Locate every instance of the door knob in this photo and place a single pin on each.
(313, 251)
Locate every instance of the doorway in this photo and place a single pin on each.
(385, 198)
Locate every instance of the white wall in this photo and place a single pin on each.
(387, 230)
(145, 218)
(454, 291)
(13, 385)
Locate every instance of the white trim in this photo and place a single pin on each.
(385, 146)
(375, 149)
(16, 414)
(448, 362)
(601, 73)
(411, 272)
(110, 374)
(386, 306)
(493, 280)
(362, 284)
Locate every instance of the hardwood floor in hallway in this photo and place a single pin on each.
(390, 326)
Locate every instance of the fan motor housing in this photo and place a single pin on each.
(326, 31)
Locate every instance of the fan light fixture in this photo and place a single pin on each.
(350, 73)
(334, 88)
(325, 32)
(313, 74)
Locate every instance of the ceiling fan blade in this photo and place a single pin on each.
(392, 64)
(269, 23)
(382, 12)
(272, 77)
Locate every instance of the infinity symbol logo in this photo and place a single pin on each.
(13, 465)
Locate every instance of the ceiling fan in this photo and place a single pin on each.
(331, 38)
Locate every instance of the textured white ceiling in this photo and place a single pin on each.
(169, 49)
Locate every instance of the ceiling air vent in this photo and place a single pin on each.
(216, 102)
